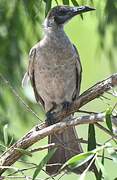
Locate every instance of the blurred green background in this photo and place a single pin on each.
(20, 28)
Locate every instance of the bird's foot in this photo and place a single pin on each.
(50, 118)
(50, 115)
(56, 108)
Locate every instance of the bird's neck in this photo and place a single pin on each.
(56, 33)
(58, 42)
(53, 30)
(56, 37)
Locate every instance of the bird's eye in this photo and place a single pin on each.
(62, 12)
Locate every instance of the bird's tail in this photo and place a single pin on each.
(68, 146)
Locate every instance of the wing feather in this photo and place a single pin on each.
(78, 74)
(31, 74)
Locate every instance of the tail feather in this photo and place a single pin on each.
(71, 144)
(68, 147)
(58, 159)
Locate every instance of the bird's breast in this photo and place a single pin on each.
(55, 71)
(56, 49)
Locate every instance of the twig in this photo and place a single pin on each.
(44, 147)
(6, 82)
(22, 170)
(53, 145)
(18, 177)
(86, 112)
(105, 157)
(105, 130)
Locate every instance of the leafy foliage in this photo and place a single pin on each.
(102, 161)
(43, 162)
(82, 158)
(91, 137)
(5, 132)
(78, 160)
(16, 39)
(108, 119)
(48, 6)
(107, 21)
(66, 2)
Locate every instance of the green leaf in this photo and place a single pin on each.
(75, 3)
(5, 134)
(43, 162)
(108, 119)
(32, 7)
(78, 160)
(82, 158)
(102, 161)
(91, 137)
(48, 6)
(101, 166)
(23, 151)
(66, 2)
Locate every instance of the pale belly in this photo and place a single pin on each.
(57, 83)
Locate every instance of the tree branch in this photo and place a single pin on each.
(41, 131)
(37, 133)
(94, 92)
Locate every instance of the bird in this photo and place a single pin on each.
(55, 72)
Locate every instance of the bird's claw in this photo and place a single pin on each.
(50, 118)
(51, 114)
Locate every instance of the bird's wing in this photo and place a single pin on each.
(25, 80)
(78, 74)
(31, 74)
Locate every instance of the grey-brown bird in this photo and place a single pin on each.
(55, 74)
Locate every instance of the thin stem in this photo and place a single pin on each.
(105, 130)
(7, 83)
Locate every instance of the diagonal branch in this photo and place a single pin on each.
(41, 131)
(94, 92)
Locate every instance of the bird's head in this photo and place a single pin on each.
(59, 15)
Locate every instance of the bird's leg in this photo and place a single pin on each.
(50, 118)
(66, 105)
(50, 115)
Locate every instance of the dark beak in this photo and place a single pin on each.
(81, 9)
